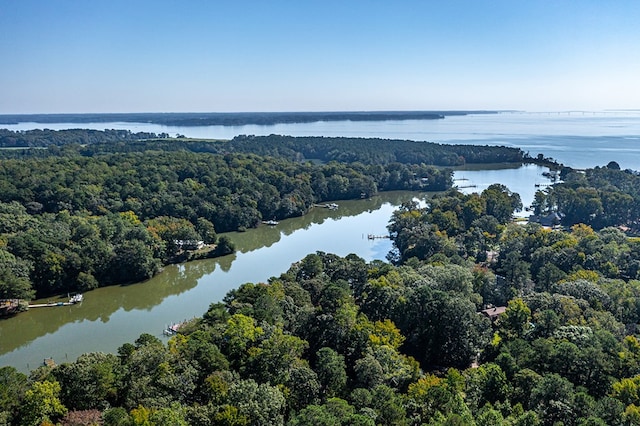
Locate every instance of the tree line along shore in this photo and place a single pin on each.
(232, 119)
(90, 201)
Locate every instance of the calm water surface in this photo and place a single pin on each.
(111, 316)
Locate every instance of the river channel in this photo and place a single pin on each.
(111, 316)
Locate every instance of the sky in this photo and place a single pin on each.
(78, 56)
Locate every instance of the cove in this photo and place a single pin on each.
(111, 316)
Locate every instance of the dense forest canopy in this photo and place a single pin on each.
(476, 320)
(600, 197)
(372, 151)
(338, 341)
(74, 210)
(46, 137)
(68, 219)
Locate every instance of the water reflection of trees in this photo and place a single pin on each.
(266, 236)
(102, 303)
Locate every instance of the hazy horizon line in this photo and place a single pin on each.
(355, 111)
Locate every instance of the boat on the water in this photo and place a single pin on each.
(172, 329)
(76, 298)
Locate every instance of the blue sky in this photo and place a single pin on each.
(147, 56)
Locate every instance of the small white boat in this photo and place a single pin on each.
(270, 222)
(76, 298)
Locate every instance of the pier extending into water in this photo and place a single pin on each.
(375, 237)
(73, 300)
(50, 304)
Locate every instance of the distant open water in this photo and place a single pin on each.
(576, 139)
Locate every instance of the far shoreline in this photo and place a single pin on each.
(187, 119)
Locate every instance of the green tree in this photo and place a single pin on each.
(89, 382)
(262, 404)
(225, 246)
(501, 202)
(331, 370)
(206, 230)
(442, 328)
(13, 386)
(116, 416)
(41, 403)
(515, 322)
(314, 415)
(553, 398)
(14, 287)
(271, 360)
(388, 406)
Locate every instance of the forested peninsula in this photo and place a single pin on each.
(370, 151)
(91, 208)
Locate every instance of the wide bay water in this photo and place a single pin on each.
(576, 139)
(112, 316)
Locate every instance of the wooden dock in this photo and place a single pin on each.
(375, 237)
(73, 300)
(50, 304)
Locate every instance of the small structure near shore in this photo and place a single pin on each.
(12, 306)
(173, 328)
(549, 220)
(494, 312)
